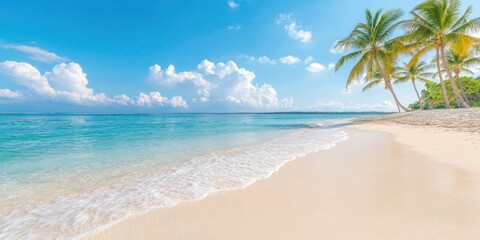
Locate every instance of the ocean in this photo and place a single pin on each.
(63, 176)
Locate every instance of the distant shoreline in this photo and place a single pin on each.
(182, 113)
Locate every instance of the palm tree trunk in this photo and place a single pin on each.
(418, 95)
(398, 107)
(458, 97)
(389, 86)
(464, 93)
(442, 83)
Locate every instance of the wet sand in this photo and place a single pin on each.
(387, 181)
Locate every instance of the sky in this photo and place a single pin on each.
(184, 56)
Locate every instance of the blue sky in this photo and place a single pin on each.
(242, 55)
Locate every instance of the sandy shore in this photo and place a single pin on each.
(389, 180)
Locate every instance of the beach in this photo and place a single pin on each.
(240, 120)
(402, 176)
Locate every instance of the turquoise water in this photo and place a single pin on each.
(64, 175)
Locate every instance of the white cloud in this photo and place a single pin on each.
(234, 27)
(152, 99)
(294, 31)
(262, 59)
(26, 75)
(315, 67)
(265, 59)
(177, 101)
(297, 33)
(68, 83)
(36, 53)
(186, 79)
(232, 4)
(289, 60)
(122, 99)
(218, 83)
(69, 78)
(385, 106)
(6, 93)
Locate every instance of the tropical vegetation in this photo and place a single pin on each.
(437, 27)
(432, 96)
(414, 73)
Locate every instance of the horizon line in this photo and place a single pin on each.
(286, 112)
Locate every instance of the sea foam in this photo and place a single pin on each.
(75, 216)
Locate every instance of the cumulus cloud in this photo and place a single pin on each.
(232, 4)
(67, 82)
(69, 78)
(265, 59)
(289, 60)
(6, 93)
(177, 101)
(385, 106)
(154, 98)
(315, 67)
(26, 75)
(220, 83)
(293, 29)
(187, 79)
(122, 99)
(37, 54)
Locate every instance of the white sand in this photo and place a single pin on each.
(385, 182)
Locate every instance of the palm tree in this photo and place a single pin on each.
(459, 64)
(418, 72)
(374, 81)
(372, 44)
(377, 80)
(437, 25)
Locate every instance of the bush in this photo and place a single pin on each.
(432, 96)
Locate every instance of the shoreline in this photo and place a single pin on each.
(253, 212)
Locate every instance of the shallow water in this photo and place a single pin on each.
(64, 175)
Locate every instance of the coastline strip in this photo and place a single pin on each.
(372, 186)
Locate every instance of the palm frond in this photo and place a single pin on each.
(371, 85)
(348, 57)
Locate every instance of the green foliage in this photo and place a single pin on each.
(439, 26)
(370, 45)
(414, 106)
(432, 95)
